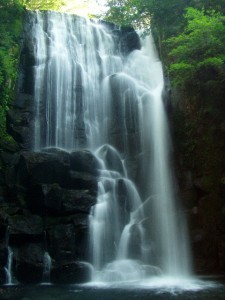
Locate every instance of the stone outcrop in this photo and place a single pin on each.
(46, 208)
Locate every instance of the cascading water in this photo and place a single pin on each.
(47, 262)
(88, 94)
(8, 268)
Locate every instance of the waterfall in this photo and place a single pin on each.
(47, 262)
(8, 268)
(92, 94)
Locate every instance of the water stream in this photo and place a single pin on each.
(89, 95)
(47, 262)
(8, 268)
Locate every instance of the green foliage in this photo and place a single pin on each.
(165, 16)
(218, 5)
(43, 4)
(197, 55)
(129, 12)
(10, 29)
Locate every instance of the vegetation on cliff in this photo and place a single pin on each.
(10, 31)
(196, 56)
(43, 4)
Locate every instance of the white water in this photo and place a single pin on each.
(47, 262)
(8, 268)
(88, 95)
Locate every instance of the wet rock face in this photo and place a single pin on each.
(50, 195)
(20, 118)
(124, 120)
(71, 272)
(28, 259)
(201, 179)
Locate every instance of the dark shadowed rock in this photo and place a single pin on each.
(3, 223)
(62, 201)
(2, 275)
(81, 181)
(26, 224)
(73, 272)
(42, 168)
(129, 40)
(81, 220)
(35, 199)
(84, 161)
(61, 244)
(4, 253)
(20, 123)
(63, 154)
(28, 263)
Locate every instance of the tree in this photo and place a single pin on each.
(165, 15)
(197, 56)
(10, 30)
(43, 4)
(218, 5)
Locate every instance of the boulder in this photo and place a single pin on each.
(61, 242)
(84, 161)
(25, 228)
(53, 167)
(42, 168)
(62, 201)
(129, 40)
(81, 181)
(70, 273)
(28, 263)
(126, 37)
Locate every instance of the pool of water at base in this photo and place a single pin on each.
(204, 290)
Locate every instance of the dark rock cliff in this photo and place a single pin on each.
(199, 140)
(46, 209)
